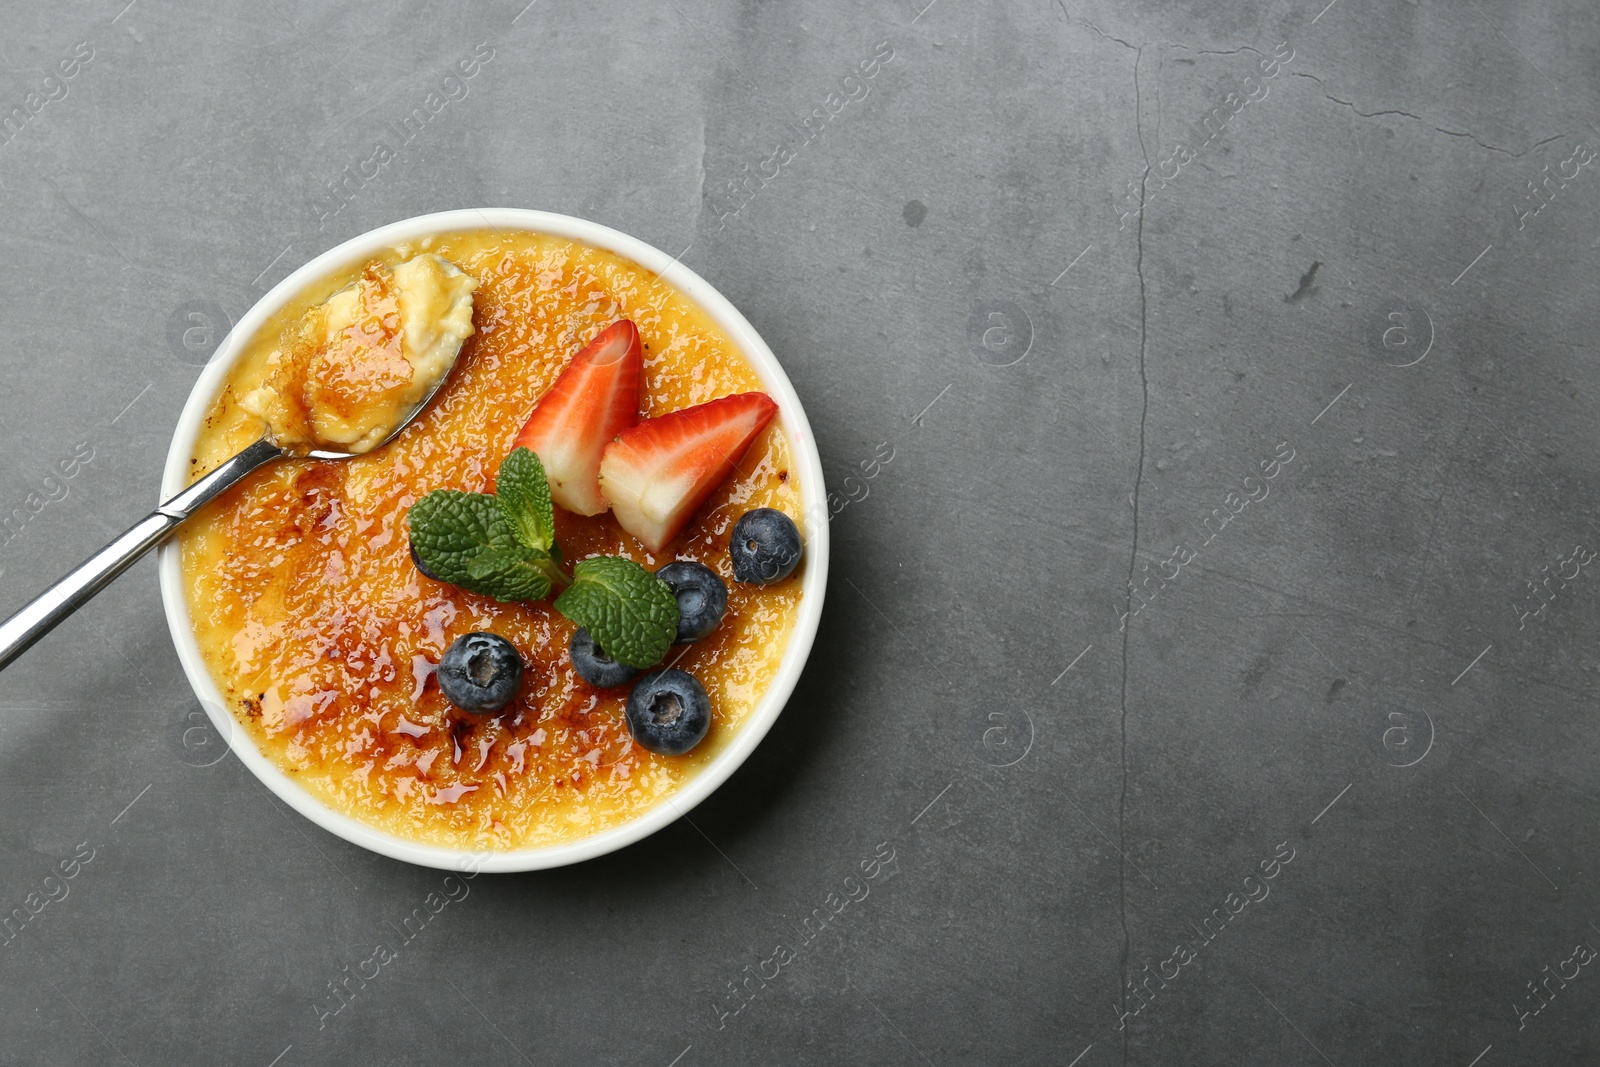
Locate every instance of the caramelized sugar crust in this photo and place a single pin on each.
(365, 361)
(339, 375)
(323, 636)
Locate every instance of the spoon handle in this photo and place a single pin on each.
(72, 592)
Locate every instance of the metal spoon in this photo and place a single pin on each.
(20, 631)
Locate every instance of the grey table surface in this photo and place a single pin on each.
(1275, 310)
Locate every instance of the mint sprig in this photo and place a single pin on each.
(523, 493)
(504, 546)
(449, 529)
(630, 613)
(510, 574)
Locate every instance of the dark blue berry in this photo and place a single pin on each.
(480, 672)
(668, 712)
(702, 598)
(594, 666)
(421, 566)
(765, 546)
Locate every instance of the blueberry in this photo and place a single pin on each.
(421, 566)
(668, 712)
(702, 598)
(594, 666)
(480, 672)
(765, 546)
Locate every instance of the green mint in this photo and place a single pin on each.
(504, 546)
(449, 529)
(628, 611)
(510, 574)
(524, 496)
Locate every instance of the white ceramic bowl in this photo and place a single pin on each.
(814, 526)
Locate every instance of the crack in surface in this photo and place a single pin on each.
(1374, 114)
(1133, 556)
(1440, 129)
(1080, 21)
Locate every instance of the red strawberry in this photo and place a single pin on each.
(658, 473)
(595, 398)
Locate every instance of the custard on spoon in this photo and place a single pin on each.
(359, 364)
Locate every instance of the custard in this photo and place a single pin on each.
(358, 364)
(323, 637)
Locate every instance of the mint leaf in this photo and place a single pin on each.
(449, 529)
(630, 613)
(501, 546)
(524, 496)
(509, 574)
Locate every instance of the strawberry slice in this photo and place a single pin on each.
(596, 398)
(658, 473)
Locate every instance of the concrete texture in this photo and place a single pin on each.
(1100, 276)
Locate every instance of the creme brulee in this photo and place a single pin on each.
(323, 636)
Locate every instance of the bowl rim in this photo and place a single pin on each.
(813, 522)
